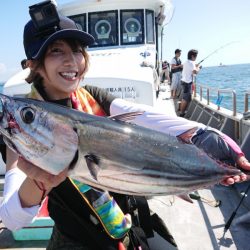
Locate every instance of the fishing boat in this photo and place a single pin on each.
(125, 61)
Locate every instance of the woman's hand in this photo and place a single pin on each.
(35, 173)
(244, 164)
(37, 184)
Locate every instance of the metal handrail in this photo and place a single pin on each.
(247, 94)
(219, 91)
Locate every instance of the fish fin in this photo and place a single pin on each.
(126, 116)
(185, 197)
(92, 163)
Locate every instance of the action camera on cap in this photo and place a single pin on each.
(45, 17)
(46, 26)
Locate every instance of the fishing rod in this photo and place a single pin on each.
(215, 51)
(229, 222)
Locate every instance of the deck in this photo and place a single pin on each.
(197, 226)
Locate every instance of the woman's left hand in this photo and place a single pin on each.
(244, 164)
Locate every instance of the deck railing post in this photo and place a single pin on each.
(218, 100)
(234, 103)
(246, 102)
(208, 97)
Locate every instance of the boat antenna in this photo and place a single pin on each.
(221, 47)
(229, 222)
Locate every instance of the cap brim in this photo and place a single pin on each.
(84, 38)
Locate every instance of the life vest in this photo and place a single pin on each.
(178, 62)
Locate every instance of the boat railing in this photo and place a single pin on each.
(219, 96)
(247, 94)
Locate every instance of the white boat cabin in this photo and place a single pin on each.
(124, 58)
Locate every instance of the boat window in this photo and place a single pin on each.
(132, 28)
(150, 38)
(104, 28)
(80, 21)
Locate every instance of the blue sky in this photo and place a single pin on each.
(205, 25)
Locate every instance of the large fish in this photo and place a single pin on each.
(106, 153)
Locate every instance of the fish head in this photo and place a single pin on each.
(41, 137)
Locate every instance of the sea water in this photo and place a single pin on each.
(235, 77)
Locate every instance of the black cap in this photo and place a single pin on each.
(35, 45)
(177, 51)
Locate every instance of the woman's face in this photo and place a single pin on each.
(63, 69)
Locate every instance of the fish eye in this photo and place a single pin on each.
(28, 115)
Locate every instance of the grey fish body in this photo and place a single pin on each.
(111, 155)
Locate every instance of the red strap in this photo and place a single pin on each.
(121, 246)
(40, 186)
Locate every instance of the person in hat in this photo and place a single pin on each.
(176, 69)
(58, 61)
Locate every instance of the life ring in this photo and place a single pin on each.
(102, 29)
(132, 26)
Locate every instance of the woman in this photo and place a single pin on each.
(58, 62)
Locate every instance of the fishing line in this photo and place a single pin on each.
(215, 51)
(171, 201)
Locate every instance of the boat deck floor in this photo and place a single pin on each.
(197, 226)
